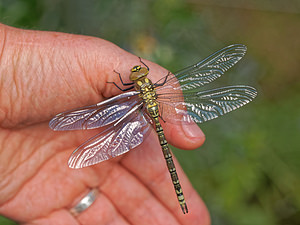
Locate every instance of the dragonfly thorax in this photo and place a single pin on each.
(138, 72)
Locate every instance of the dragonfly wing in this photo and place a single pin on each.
(101, 114)
(204, 105)
(112, 141)
(206, 70)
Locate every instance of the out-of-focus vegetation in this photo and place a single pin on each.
(248, 170)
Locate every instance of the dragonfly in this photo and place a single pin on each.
(143, 106)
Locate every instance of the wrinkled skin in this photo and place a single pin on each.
(44, 73)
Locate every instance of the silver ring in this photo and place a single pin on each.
(85, 202)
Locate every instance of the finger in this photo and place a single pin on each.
(185, 136)
(51, 187)
(155, 175)
(53, 73)
(133, 199)
(57, 217)
(101, 212)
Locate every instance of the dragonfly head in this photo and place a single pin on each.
(137, 72)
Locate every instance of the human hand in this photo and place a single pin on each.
(44, 73)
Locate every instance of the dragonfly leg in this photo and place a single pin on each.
(125, 89)
(161, 112)
(165, 80)
(144, 64)
(123, 83)
(162, 118)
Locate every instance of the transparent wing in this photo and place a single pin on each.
(113, 141)
(200, 106)
(204, 71)
(101, 114)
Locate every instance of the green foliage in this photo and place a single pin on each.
(247, 172)
(5, 221)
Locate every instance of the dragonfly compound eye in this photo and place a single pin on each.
(136, 69)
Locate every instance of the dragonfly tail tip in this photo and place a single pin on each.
(184, 208)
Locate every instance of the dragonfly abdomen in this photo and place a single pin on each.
(170, 164)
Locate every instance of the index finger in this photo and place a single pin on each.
(54, 72)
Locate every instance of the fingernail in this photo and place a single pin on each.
(192, 131)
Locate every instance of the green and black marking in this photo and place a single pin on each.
(147, 91)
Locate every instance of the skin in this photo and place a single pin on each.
(44, 73)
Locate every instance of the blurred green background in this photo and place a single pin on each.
(248, 170)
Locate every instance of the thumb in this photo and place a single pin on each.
(44, 73)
